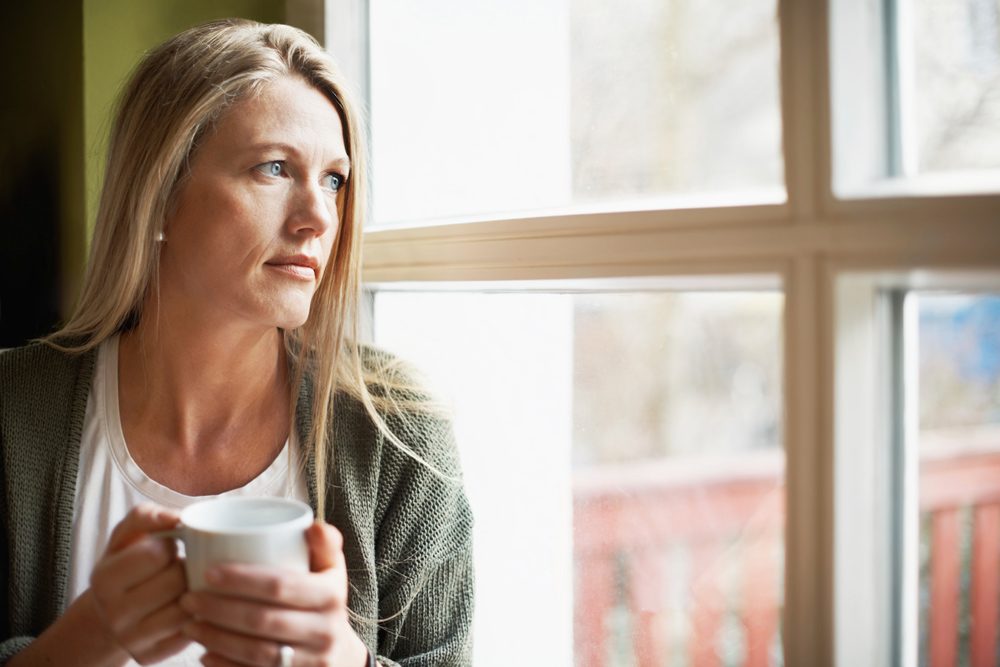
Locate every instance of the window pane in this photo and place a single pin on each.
(957, 91)
(489, 108)
(623, 457)
(959, 442)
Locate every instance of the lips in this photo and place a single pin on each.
(296, 266)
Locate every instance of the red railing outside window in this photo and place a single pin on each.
(686, 571)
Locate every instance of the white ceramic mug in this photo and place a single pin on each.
(264, 531)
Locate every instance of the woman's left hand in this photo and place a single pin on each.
(253, 611)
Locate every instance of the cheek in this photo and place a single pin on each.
(239, 219)
(219, 238)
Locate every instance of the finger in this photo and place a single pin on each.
(154, 629)
(290, 589)
(164, 649)
(143, 519)
(326, 547)
(213, 660)
(262, 621)
(210, 660)
(122, 612)
(236, 648)
(158, 591)
(117, 573)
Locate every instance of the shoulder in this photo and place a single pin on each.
(422, 508)
(391, 375)
(42, 359)
(388, 419)
(41, 378)
(37, 358)
(412, 411)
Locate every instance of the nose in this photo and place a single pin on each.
(314, 211)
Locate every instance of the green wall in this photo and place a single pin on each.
(64, 68)
(137, 26)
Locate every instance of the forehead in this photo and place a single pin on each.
(285, 111)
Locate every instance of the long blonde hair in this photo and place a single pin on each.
(174, 98)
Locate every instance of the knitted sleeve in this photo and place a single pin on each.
(9, 644)
(423, 550)
(43, 400)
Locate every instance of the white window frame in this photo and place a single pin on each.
(833, 256)
(876, 466)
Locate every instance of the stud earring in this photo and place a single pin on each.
(160, 238)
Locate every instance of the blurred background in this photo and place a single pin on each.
(627, 437)
(71, 59)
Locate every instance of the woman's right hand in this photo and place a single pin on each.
(137, 585)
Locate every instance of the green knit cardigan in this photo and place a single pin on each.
(407, 532)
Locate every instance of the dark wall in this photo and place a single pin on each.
(63, 64)
(41, 130)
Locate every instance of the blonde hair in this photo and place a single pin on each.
(175, 97)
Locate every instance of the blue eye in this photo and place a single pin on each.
(274, 168)
(333, 181)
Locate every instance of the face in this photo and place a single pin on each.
(257, 218)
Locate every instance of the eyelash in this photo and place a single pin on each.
(267, 168)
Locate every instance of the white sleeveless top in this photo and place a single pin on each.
(110, 483)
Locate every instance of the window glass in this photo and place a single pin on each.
(498, 107)
(957, 84)
(623, 456)
(959, 490)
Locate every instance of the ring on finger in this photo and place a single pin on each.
(285, 656)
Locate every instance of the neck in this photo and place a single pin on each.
(195, 384)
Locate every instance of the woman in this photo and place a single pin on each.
(214, 352)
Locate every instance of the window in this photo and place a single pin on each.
(915, 461)
(844, 237)
(955, 339)
(915, 90)
(956, 85)
(502, 107)
(623, 458)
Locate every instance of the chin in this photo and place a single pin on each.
(287, 311)
(292, 322)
